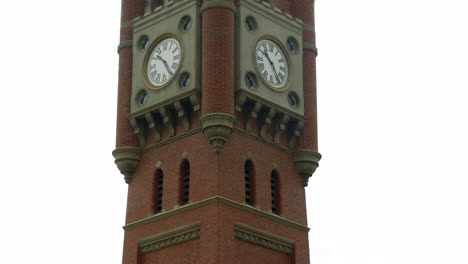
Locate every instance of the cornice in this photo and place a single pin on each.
(311, 47)
(154, 107)
(219, 4)
(274, 13)
(162, 12)
(269, 104)
(263, 238)
(212, 200)
(170, 238)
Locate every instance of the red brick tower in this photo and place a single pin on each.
(216, 130)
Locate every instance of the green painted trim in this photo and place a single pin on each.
(124, 45)
(172, 100)
(311, 47)
(263, 238)
(171, 139)
(215, 199)
(218, 4)
(170, 238)
(278, 108)
(309, 27)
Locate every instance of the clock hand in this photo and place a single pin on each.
(165, 64)
(272, 66)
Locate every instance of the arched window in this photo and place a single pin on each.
(158, 191)
(249, 175)
(184, 182)
(275, 195)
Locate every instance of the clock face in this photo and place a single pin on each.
(164, 61)
(271, 63)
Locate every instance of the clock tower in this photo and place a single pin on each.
(216, 129)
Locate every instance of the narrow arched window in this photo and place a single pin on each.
(158, 191)
(275, 195)
(184, 182)
(249, 182)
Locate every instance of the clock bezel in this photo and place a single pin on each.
(285, 51)
(150, 50)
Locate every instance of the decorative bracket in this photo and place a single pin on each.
(269, 117)
(240, 101)
(138, 131)
(152, 127)
(167, 120)
(296, 134)
(253, 115)
(281, 127)
(182, 115)
(195, 100)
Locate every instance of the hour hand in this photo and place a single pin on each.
(272, 65)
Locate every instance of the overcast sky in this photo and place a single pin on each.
(393, 131)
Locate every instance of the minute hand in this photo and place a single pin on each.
(165, 65)
(272, 66)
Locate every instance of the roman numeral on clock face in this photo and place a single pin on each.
(261, 66)
(281, 76)
(153, 74)
(271, 63)
(164, 61)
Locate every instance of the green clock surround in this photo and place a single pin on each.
(259, 21)
(167, 22)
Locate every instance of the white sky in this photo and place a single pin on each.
(392, 91)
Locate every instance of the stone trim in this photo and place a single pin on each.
(216, 199)
(124, 45)
(311, 47)
(217, 127)
(170, 238)
(309, 27)
(263, 238)
(306, 162)
(171, 139)
(219, 4)
(263, 140)
(127, 159)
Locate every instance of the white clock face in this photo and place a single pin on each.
(271, 63)
(164, 61)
